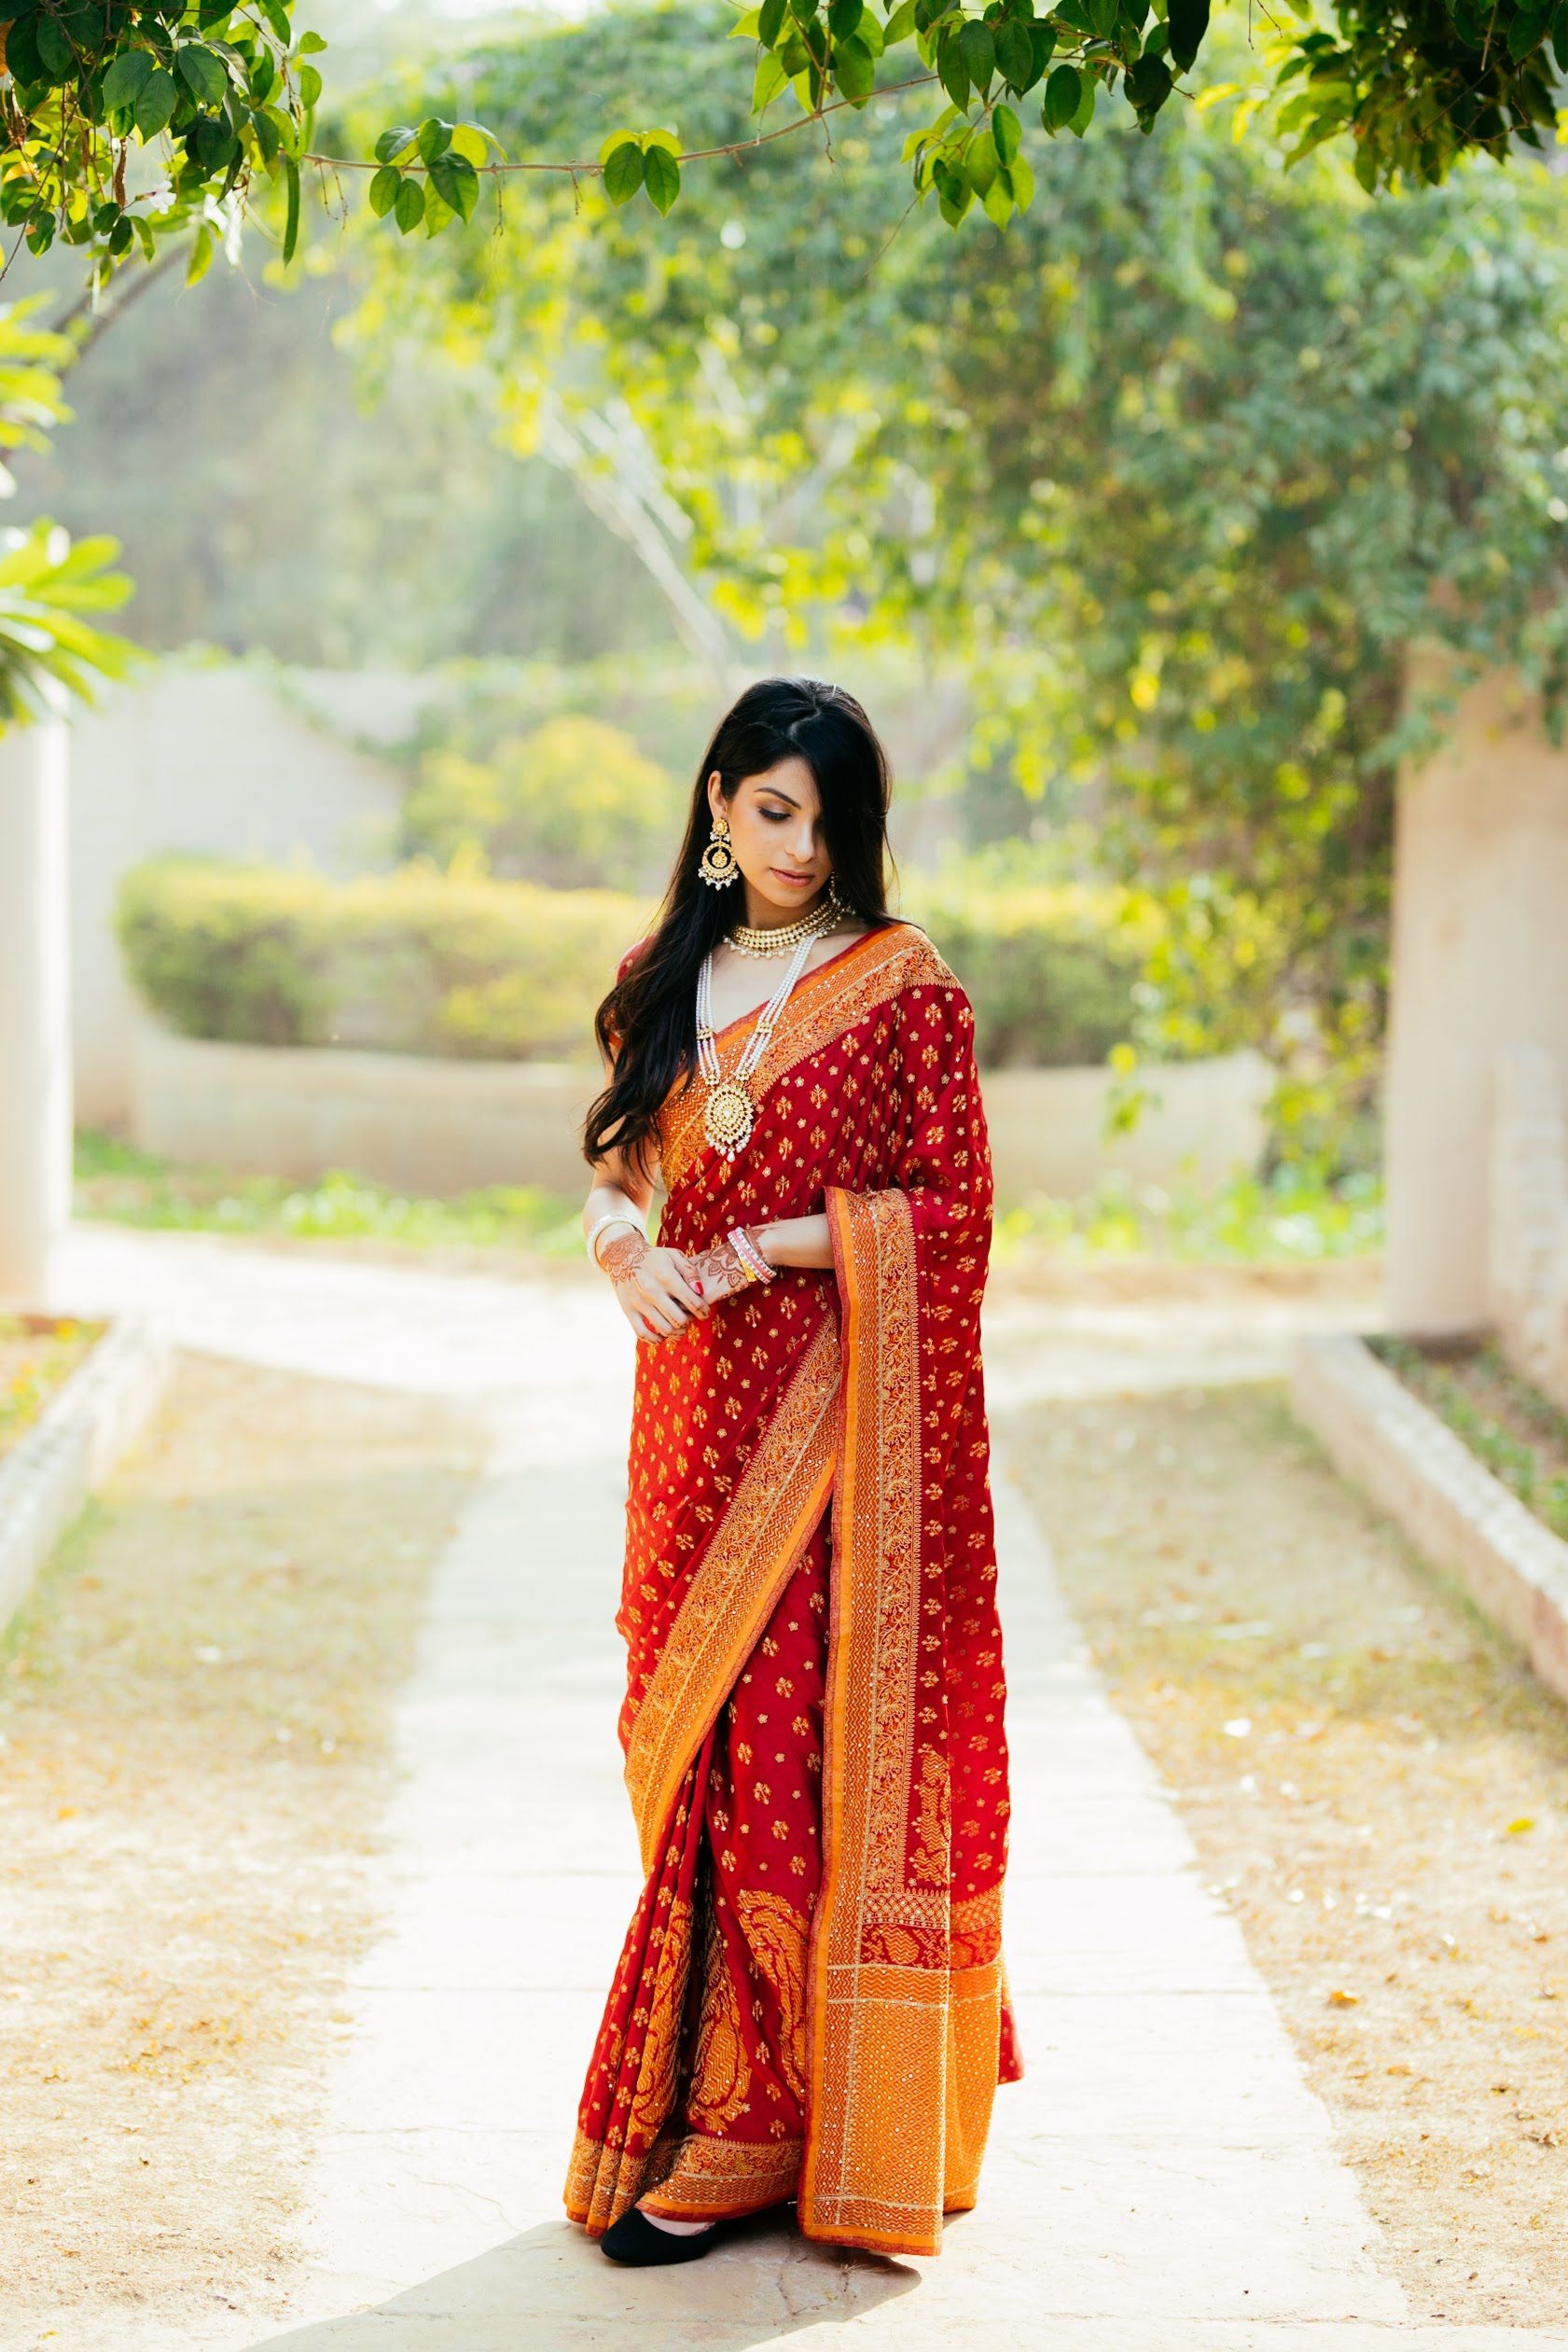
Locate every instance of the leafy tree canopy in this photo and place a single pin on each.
(128, 120)
(1176, 470)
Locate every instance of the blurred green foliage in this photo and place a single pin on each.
(1177, 472)
(115, 1181)
(462, 963)
(413, 962)
(1303, 1211)
(572, 803)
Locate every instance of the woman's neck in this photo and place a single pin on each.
(761, 914)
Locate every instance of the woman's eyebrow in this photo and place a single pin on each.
(780, 794)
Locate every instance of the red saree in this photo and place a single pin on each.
(810, 2001)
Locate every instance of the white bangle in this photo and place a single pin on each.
(618, 1217)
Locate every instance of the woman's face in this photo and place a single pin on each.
(775, 829)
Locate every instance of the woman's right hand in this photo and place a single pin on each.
(654, 1286)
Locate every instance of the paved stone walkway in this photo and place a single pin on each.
(1161, 2181)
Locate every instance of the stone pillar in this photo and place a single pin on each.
(1479, 969)
(34, 1008)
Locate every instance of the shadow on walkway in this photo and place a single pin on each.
(550, 2291)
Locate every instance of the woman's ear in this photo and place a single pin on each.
(716, 795)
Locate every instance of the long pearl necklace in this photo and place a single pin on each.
(730, 1112)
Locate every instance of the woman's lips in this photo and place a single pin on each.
(796, 882)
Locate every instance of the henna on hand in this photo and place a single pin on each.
(719, 1270)
(622, 1258)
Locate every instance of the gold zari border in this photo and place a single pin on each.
(903, 2059)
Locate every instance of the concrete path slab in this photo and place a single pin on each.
(1161, 2181)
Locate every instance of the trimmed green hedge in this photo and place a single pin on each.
(413, 962)
(425, 962)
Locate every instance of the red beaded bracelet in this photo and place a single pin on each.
(750, 1256)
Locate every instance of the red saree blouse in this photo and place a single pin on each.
(810, 2001)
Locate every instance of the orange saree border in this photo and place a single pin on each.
(902, 2057)
(825, 1003)
(746, 1565)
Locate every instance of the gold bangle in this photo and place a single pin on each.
(618, 1217)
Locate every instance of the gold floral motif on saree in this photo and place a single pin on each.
(748, 1562)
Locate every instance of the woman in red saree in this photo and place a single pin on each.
(810, 2003)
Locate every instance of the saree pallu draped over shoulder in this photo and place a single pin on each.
(811, 2001)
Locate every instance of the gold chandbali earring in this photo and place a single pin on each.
(719, 866)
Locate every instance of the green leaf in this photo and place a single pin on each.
(1365, 166)
(951, 68)
(661, 177)
(471, 140)
(310, 45)
(744, 27)
(1102, 17)
(201, 256)
(202, 74)
(433, 138)
(770, 23)
(156, 103)
(1148, 85)
(290, 224)
(900, 24)
(1084, 114)
(1042, 38)
(980, 53)
(55, 53)
(456, 182)
(1021, 181)
(408, 211)
(669, 140)
(1015, 56)
(291, 218)
(1187, 22)
(385, 186)
(623, 166)
(310, 87)
(125, 78)
(843, 17)
(40, 232)
(770, 79)
(121, 235)
(1559, 37)
(980, 161)
(998, 202)
(396, 143)
(1007, 131)
(854, 68)
(1063, 92)
(277, 17)
(1524, 34)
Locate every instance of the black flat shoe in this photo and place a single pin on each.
(634, 2241)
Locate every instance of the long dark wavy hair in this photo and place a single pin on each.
(647, 1024)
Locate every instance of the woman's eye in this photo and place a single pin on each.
(776, 816)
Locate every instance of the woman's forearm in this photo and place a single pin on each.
(796, 1241)
(608, 1200)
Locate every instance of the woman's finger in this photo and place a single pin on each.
(681, 1289)
(664, 1320)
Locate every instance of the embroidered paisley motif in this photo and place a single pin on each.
(655, 2093)
(720, 2070)
(778, 1937)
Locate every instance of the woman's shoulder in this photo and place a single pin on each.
(631, 956)
(911, 956)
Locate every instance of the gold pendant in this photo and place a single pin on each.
(727, 1116)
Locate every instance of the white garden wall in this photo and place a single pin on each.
(444, 1127)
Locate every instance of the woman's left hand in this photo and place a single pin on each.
(718, 1270)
